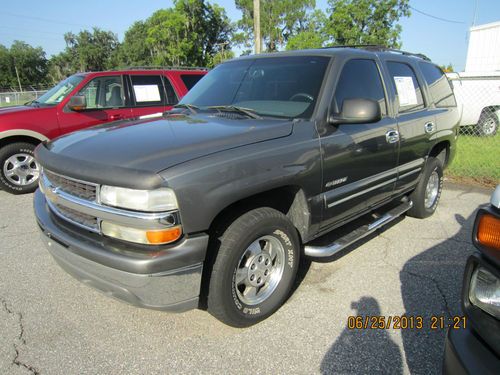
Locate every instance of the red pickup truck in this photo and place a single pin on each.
(80, 101)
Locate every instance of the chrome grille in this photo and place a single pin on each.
(76, 217)
(71, 186)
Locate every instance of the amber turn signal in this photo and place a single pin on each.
(164, 236)
(488, 231)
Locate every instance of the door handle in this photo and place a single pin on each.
(115, 117)
(429, 127)
(392, 136)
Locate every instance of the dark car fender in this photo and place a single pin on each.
(206, 186)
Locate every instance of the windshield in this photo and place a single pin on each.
(60, 91)
(276, 86)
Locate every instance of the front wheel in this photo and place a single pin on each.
(19, 171)
(255, 267)
(426, 195)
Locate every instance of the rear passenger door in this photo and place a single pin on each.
(359, 162)
(150, 93)
(416, 122)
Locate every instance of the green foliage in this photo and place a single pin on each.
(366, 21)
(447, 68)
(30, 62)
(189, 34)
(134, 51)
(311, 33)
(279, 20)
(91, 50)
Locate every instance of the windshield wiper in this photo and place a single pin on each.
(192, 108)
(232, 108)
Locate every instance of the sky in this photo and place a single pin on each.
(43, 23)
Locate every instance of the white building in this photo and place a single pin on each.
(483, 54)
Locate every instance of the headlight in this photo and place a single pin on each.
(147, 237)
(162, 199)
(484, 291)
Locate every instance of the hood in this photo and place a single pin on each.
(17, 109)
(154, 145)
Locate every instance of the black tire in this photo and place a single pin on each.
(418, 196)
(487, 125)
(6, 152)
(223, 298)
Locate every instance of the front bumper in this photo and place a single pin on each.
(464, 353)
(166, 279)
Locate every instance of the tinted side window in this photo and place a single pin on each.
(407, 88)
(360, 79)
(148, 90)
(190, 79)
(104, 92)
(171, 96)
(439, 85)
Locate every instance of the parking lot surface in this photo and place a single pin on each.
(52, 324)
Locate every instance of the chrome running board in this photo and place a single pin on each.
(363, 231)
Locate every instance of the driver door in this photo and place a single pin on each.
(359, 160)
(106, 102)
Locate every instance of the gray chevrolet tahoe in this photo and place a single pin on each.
(214, 203)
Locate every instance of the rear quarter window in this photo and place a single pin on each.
(190, 80)
(439, 86)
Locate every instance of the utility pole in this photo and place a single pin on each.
(18, 80)
(256, 25)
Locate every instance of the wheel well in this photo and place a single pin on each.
(18, 138)
(487, 111)
(290, 200)
(441, 152)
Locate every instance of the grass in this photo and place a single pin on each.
(477, 158)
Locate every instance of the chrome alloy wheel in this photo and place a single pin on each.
(489, 126)
(21, 169)
(432, 189)
(259, 270)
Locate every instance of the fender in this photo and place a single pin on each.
(23, 132)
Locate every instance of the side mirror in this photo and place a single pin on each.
(77, 103)
(357, 111)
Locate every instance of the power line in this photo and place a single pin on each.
(42, 19)
(435, 17)
(31, 30)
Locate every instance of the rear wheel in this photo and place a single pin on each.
(488, 124)
(255, 266)
(426, 196)
(19, 171)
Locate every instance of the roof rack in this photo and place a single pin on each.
(164, 68)
(380, 48)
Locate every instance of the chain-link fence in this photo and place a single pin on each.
(478, 144)
(12, 97)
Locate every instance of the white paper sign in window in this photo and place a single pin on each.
(147, 93)
(406, 91)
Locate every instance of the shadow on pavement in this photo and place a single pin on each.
(431, 286)
(365, 351)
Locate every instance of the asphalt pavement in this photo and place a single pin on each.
(52, 324)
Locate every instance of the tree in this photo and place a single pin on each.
(31, 64)
(190, 33)
(447, 68)
(90, 50)
(61, 66)
(134, 51)
(279, 20)
(5, 67)
(366, 21)
(310, 34)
